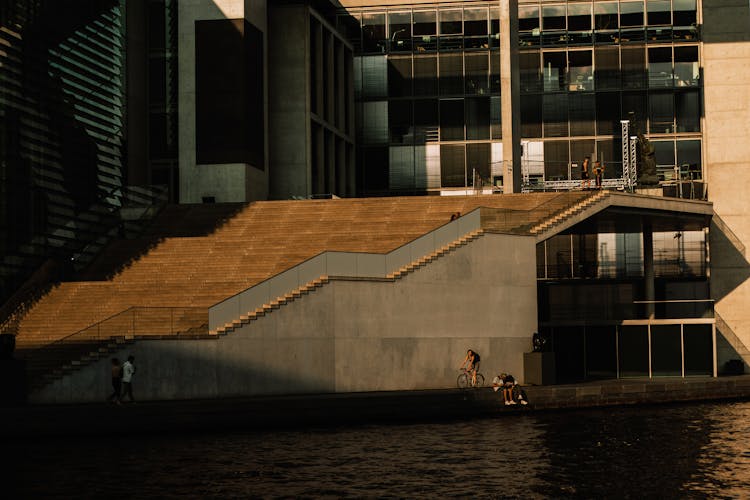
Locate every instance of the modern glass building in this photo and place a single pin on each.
(429, 95)
(61, 128)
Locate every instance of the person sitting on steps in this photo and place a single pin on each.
(512, 393)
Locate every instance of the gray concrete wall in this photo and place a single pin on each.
(350, 335)
(726, 129)
(236, 182)
(289, 89)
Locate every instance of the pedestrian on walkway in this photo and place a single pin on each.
(128, 370)
(116, 381)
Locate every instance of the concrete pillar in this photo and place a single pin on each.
(648, 267)
(510, 99)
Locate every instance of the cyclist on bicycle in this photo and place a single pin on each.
(471, 361)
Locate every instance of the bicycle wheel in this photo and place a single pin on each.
(463, 381)
(480, 380)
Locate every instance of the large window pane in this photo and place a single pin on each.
(660, 67)
(451, 74)
(494, 27)
(553, 17)
(607, 113)
(529, 26)
(495, 72)
(609, 152)
(688, 111)
(452, 120)
(634, 108)
(400, 122)
(698, 342)
(451, 29)
(554, 71)
(633, 351)
(531, 115)
(373, 30)
(496, 126)
(661, 112)
(477, 118)
(601, 352)
(425, 30)
(605, 18)
(631, 14)
(582, 114)
(477, 72)
(666, 351)
(452, 165)
(425, 75)
(581, 70)
(689, 158)
(665, 160)
(426, 121)
(478, 165)
(633, 67)
(659, 13)
(607, 74)
(579, 23)
(399, 31)
(529, 64)
(555, 115)
(476, 28)
(685, 20)
(578, 151)
(556, 162)
(399, 76)
(686, 70)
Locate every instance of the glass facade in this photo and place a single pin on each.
(584, 66)
(427, 87)
(61, 129)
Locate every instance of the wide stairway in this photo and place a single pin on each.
(164, 283)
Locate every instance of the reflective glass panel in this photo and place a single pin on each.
(399, 26)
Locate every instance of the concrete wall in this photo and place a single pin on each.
(726, 130)
(289, 89)
(228, 182)
(351, 335)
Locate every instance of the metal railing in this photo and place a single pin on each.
(140, 322)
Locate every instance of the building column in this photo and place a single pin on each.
(510, 96)
(648, 267)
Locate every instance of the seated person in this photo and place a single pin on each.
(512, 393)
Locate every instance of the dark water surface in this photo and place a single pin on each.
(690, 451)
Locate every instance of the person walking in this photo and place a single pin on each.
(116, 381)
(128, 370)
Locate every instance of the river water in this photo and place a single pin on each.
(684, 451)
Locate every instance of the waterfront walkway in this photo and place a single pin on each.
(256, 413)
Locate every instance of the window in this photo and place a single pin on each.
(581, 72)
(531, 115)
(556, 162)
(496, 126)
(451, 29)
(633, 67)
(555, 115)
(607, 74)
(399, 34)
(528, 63)
(605, 17)
(475, 28)
(494, 28)
(686, 69)
(689, 158)
(659, 13)
(476, 73)
(554, 72)
(477, 118)
(631, 14)
(634, 108)
(425, 30)
(425, 75)
(451, 74)
(661, 112)
(553, 17)
(582, 114)
(579, 23)
(452, 120)
(660, 67)
(452, 165)
(607, 113)
(495, 72)
(528, 26)
(688, 111)
(426, 122)
(478, 164)
(685, 20)
(399, 122)
(399, 76)
(373, 31)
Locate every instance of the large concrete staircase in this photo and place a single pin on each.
(197, 255)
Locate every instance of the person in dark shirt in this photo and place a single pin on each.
(471, 362)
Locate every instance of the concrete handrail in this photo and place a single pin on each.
(340, 264)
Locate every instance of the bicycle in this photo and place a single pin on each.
(464, 380)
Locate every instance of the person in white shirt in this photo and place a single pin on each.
(128, 370)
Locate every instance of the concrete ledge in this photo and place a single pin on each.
(41, 421)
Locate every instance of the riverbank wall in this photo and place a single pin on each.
(295, 412)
